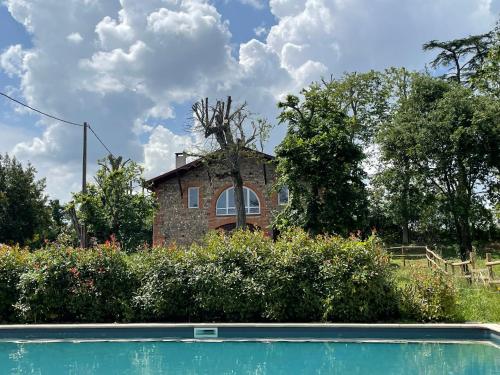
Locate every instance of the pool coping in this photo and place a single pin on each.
(486, 333)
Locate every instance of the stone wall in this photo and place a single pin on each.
(175, 222)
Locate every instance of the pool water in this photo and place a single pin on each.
(247, 358)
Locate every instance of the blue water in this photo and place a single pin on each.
(247, 358)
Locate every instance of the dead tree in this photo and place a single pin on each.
(227, 127)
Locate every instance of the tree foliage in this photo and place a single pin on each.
(463, 57)
(446, 137)
(320, 162)
(112, 209)
(25, 216)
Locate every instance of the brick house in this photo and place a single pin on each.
(192, 201)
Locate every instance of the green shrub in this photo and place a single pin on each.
(13, 262)
(241, 277)
(358, 282)
(248, 277)
(427, 296)
(74, 285)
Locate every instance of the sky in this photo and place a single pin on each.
(132, 69)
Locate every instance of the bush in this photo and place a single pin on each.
(242, 277)
(13, 263)
(66, 285)
(428, 295)
(247, 277)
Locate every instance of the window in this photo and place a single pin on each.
(194, 197)
(283, 196)
(226, 204)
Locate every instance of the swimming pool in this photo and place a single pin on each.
(249, 348)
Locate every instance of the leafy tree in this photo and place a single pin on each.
(487, 78)
(463, 56)
(24, 214)
(450, 136)
(397, 181)
(111, 208)
(363, 97)
(320, 162)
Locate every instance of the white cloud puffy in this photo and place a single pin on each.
(75, 38)
(160, 149)
(11, 60)
(136, 60)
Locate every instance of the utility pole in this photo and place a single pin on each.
(83, 237)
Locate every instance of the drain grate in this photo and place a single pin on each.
(206, 333)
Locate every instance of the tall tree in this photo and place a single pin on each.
(111, 207)
(320, 162)
(463, 57)
(451, 136)
(396, 181)
(363, 97)
(235, 135)
(24, 214)
(487, 78)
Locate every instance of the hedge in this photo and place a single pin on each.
(243, 277)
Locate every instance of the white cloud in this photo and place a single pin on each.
(260, 31)
(75, 38)
(137, 60)
(257, 4)
(11, 60)
(160, 149)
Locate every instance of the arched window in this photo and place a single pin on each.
(226, 204)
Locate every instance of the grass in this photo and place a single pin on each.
(475, 302)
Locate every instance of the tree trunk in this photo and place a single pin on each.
(463, 204)
(465, 240)
(405, 211)
(406, 234)
(239, 200)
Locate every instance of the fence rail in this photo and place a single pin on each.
(467, 269)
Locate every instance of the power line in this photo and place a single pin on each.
(56, 118)
(99, 139)
(37, 110)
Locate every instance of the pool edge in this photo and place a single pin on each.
(335, 332)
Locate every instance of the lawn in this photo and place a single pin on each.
(474, 302)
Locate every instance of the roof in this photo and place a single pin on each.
(192, 165)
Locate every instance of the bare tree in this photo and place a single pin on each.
(229, 128)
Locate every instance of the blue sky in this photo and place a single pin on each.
(133, 68)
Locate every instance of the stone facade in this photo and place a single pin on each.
(175, 222)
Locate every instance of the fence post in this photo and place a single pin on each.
(473, 259)
(490, 268)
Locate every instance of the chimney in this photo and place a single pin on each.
(180, 159)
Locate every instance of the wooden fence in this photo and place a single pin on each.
(467, 269)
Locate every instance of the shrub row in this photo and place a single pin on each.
(239, 278)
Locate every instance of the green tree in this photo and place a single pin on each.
(463, 57)
(397, 182)
(363, 98)
(320, 162)
(487, 78)
(112, 208)
(24, 215)
(450, 136)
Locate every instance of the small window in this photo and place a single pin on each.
(194, 197)
(283, 196)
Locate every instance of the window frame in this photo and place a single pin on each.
(226, 208)
(190, 188)
(280, 203)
